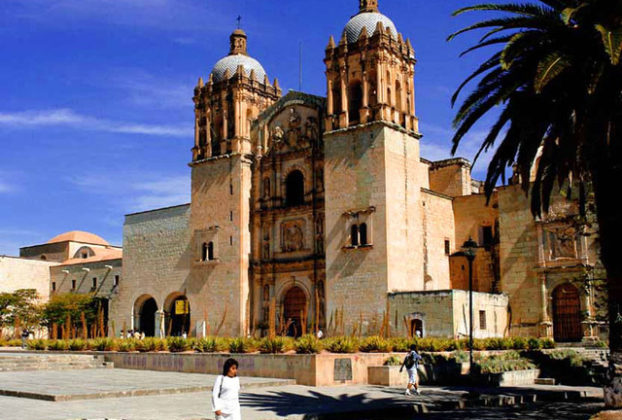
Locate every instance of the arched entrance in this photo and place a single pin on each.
(566, 314)
(294, 305)
(416, 328)
(178, 322)
(146, 316)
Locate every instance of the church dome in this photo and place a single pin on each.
(79, 236)
(231, 63)
(369, 21)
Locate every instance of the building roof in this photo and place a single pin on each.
(79, 236)
(231, 63)
(369, 21)
(100, 255)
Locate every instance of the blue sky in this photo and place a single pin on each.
(96, 115)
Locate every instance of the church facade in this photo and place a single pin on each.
(316, 209)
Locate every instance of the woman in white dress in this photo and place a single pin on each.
(226, 391)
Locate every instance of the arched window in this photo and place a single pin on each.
(295, 189)
(337, 100)
(204, 252)
(355, 103)
(354, 235)
(363, 234)
(398, 95)
(266, 188)
(210, 251)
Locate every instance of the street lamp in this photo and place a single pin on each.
(468, 250)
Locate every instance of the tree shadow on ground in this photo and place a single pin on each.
(313, 405)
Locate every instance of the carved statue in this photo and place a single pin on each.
(562, 242)
(312, 129)
(294, 118)
(277, 134)
(292, 238)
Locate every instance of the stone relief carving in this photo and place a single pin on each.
(561, 241)
(293, 236)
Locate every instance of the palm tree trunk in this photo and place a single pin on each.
(606, 181)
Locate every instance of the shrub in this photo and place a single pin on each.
(103, 344)
(58, 345)
(341, 345)
(401, 344)
(3, 342)
(210, 345)
(506, 362)
(275, 345)
(77, 345)
(534, 344)
(520, 343)
(243, 345)
(375, 344)
(178, 344)
(393, 361)
(150, 344)
(14, 343)
(308, 344)
(549, 343)
(37, 345)
(127, 345)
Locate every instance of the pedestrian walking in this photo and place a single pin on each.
(411, 363)
(25, 336)
(226, 393)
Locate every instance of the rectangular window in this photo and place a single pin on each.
(53, 286)
(487, 237)
(94, 282)
(231, 189)
(73, 285)
(116, 280)
(231, 216)
(230, 240)
(482, 320)
(447, 247)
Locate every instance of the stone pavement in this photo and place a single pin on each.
(295, 402)
(111, 383)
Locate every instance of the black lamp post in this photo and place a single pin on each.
(468, 249)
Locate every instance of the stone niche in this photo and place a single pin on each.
(293, 233)
(205, 237)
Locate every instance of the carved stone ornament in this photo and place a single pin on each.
(293, 237)
(277, 134)
(561, 242)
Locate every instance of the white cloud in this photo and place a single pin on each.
(145, 89)
(4, 187)
(67, 118)
(137, 191)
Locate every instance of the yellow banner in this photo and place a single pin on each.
(182, 307)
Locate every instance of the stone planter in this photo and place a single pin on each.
(387, 376)
(513, 378)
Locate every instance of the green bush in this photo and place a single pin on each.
(534, 344)
(393, 361)
(549, 343)
(275, 345)
(14, 343)
(151, 344)
(506, 362)
(400, 344)
(211, 345)
(103, 344)
(243, 345)
(127, 345)
(37, 345)
(520, 343)
(308, 344)
(58, 345)
(341, 345)
(375, 344)
(77, 345)
(178, 344)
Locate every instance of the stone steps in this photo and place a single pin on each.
(27, 362)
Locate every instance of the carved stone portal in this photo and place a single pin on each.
(561, 242)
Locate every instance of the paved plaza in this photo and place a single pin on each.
(273, 402)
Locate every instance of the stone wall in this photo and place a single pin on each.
(21, 273)
(438, 227)
(156, 247)
(445, 313)
(451, 177)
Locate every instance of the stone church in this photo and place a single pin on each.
(321, 209)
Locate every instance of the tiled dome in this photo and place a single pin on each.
(231, 63)
(368, 20)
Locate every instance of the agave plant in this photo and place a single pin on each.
(557, 74)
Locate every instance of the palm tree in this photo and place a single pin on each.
(556, 82)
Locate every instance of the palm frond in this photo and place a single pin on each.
(612, 41)
(548, 69)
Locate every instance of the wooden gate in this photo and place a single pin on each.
(566, 314)
(294, 304)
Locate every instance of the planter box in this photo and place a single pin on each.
(387, 376)
(513, 378)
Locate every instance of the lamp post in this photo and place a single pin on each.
(468, 249)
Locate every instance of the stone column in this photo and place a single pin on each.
(343, 117)
(545, 320)
(208, 136)
(364, 113)
(160, 327)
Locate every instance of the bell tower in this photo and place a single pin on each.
(373, 172)
(236, 93)
(370, 73)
